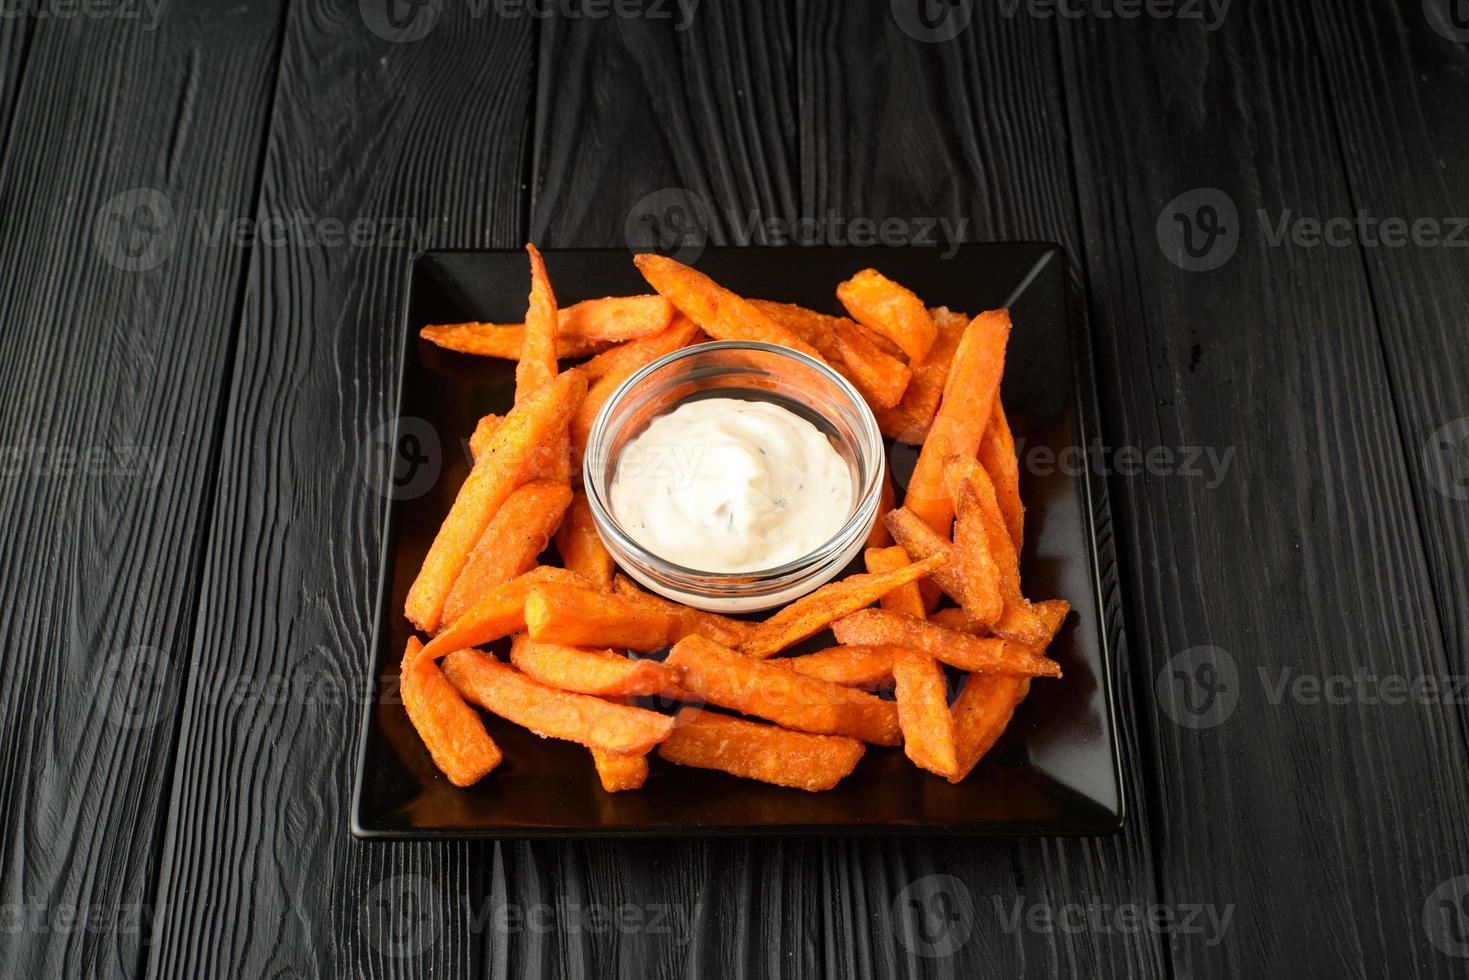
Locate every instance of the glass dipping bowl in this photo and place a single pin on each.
(750, 371)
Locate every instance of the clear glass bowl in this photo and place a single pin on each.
(753, 372)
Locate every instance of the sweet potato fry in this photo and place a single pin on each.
(881, 378)
(984, 600)
(512, 453)
(923, 713)
(816, 329)
(538, 357)
(910, 420)
(922, 541)
(510, 543)
(880, 536)
(696, 622)
(905, 598)
(812, 613)
(450, 729)
(581, 329)
(952, 618)
(768, 753)
(620, 772)
(721, 313)
(597, 724)
(980, 715)
(968, 480)
(602, 673)
(997, 456)
(876, 302)
(779, 694)
(969, 397)
(990, 655)
(499, 613)
(484, 431)
(867, 667)
(581, 616)
(613, 372)
(581, 546)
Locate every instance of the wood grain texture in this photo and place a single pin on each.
(857, 120)
(1324, 826)
(1406, 156)
(260, 877)
(111, 383)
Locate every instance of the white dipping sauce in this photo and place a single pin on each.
(726, 485)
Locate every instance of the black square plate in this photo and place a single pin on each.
(1056, 769)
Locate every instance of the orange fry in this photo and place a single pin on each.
(980, 715)
(768, 753)
(923, 713)
(905, 598)
(812, 613)
(969, 397)
(603, 673)
(952, 618)
(581, 546)
(453, 733)
(620, 772)
(630, 357)
(581, 329)
(866, 667)
(989, 655)
(512, 453)
(597, 724)
(504, 341)
(997, 456)
(880, 377)
(779, 694)
(922, 541)
(484, 431)
(983, 599)
(721, 629)
(721, 313)
(910, 420)
(498, 613)
(538, 357)
(876, 302)
(510, 543)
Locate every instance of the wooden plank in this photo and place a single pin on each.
(118, 329)
(1406, 154)
(1324, 826)
(260, 876)
(752, 117)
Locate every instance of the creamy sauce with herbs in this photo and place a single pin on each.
(727, 485)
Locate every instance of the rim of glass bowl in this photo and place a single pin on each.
(596, 452)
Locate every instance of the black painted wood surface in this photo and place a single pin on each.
(185, 654)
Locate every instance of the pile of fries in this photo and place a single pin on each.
(932, 377)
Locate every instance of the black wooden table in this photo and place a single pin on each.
(207, 212)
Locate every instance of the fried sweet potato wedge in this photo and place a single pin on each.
(511, 457)
(696, 622)
(498, 613)
(502, 340)
(779, 694)
(601, 673)
(484, 431)
(722, 314)
(629, 358)
(990, 655)
(767, 753)
(876, 302)
(964, 411)
(983, 598)
(502, 690)
(517, 533)
(813, 612)
(538, 356)
(910, 420)
(581, 546)
(585, 617)
(923, 713)
(922, 541)
(980, 715)
(619, 773)
(880, 377)
(997, 456)
(450, 729)
(583, 328)
(867, 667)
(905, 598)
